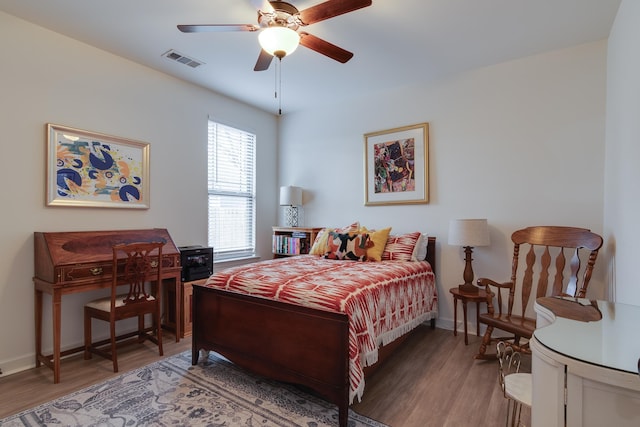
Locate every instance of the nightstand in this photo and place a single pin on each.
(465, 297)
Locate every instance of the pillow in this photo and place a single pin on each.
(351, 246)
(379, 240)
(319, 246)
(400, 248)
(420, 251)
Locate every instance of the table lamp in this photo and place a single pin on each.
(468, 233)
(291, 197)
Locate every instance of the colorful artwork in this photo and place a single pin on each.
(397, 165)
(89, 169)
(394, 166)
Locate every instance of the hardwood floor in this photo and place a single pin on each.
(431, 380)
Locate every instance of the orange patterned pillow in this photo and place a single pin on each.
(319, 246)
(350, 246)
(400, 248)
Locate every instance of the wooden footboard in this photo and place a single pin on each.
(277, 340)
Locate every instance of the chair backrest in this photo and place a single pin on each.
(508, 361)
(134, 264)
(545, 243)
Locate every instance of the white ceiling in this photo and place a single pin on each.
(396, 43)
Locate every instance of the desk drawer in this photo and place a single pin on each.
(170, 260)
(103, 270)
(72, 273)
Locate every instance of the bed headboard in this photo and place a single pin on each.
(431, 252)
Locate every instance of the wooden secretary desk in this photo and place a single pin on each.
(80, 261)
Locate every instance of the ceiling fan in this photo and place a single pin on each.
(280, 29)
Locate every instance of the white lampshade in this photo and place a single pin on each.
(290, 196)
(468, 232)
(279, 41)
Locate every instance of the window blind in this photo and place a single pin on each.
(231, 191)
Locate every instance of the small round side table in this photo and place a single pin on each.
(477, 297)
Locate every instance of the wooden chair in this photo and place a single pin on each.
(136, 269)
(544, 243)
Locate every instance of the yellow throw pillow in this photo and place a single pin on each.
(320, 244)
(379, 239)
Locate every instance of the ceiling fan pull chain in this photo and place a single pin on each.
(275, 81)
(279, 85)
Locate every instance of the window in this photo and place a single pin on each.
(231, 191)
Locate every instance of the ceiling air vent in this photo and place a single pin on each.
(176, 56)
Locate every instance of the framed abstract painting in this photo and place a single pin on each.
(91, 169)
(396, 166)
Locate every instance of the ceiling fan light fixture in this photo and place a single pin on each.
(279, 41)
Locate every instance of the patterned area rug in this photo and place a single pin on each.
(173, 392)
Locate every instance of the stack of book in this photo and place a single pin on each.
(294, 244)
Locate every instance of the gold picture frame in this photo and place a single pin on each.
(90, 169)
(396, 166)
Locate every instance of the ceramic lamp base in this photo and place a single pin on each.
(292, 216)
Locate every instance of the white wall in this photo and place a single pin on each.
(520, 143)
(46, 77)
(622, 204)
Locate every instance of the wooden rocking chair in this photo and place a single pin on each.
(544, 243)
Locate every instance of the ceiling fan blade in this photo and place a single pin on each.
(325, 48)
(217, 28)
(263, 62)
(331, 8)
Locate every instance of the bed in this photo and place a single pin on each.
(289, 318)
